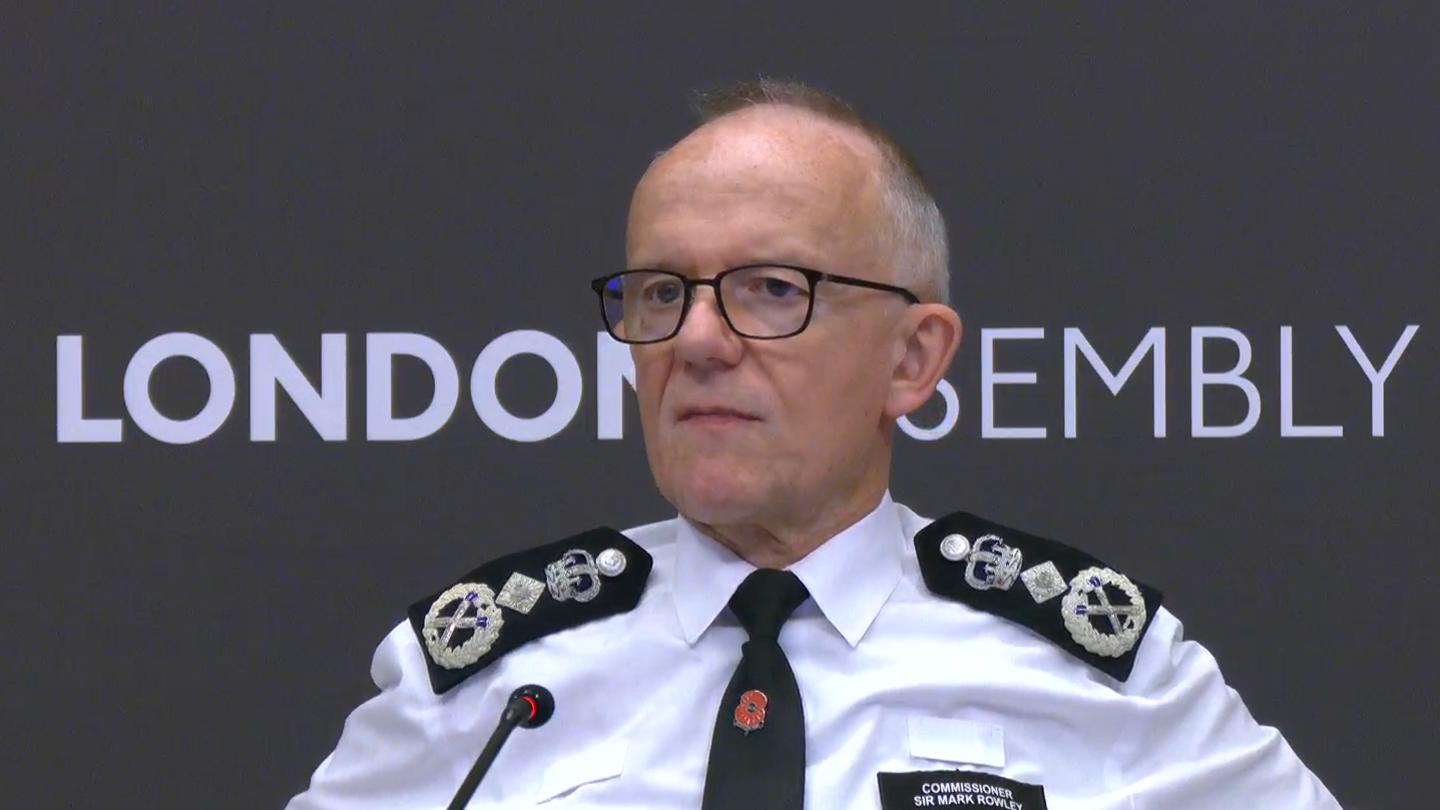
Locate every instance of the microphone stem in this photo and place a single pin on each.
(508, 722)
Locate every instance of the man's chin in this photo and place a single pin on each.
(720, 503)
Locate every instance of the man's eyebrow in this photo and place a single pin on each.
(686, 269)
(661, 265)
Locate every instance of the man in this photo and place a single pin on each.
(796, 637)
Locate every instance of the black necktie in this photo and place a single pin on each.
(757, 754)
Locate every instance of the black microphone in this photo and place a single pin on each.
(529, 707)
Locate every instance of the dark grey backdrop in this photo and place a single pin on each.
(187, 625)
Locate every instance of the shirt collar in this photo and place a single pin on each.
(850, 576)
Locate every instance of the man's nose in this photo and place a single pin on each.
(705, 338)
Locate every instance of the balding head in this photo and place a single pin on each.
(909, 229)
(821, 183)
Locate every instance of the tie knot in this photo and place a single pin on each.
(765, 600)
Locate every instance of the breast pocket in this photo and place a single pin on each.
(572, 773)
(962, 742)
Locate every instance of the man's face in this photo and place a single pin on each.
(765, 431)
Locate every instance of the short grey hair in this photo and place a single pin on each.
(916, 238)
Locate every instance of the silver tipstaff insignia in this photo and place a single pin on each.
(611, 562)
(993, 564)
(1044, 582)
(955, 547)
(520, 593)
(475, 622)
(573, 576)
(1087, 608)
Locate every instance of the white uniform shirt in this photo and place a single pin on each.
(893, 678)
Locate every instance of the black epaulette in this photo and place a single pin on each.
(1094, 612)
(516, 599)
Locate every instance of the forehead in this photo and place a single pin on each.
(762, 183)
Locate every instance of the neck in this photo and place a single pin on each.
(777, 544)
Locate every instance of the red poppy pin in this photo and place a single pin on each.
(750, 714)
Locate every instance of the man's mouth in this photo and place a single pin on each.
(715, 414)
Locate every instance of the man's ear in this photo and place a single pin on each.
(932, 337)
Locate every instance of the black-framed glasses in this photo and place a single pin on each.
(759, 301)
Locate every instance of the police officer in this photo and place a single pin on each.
(796, 637)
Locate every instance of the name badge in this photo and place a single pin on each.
(957, 789)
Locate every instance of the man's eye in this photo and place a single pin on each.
(663, 292)
(779, 287)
